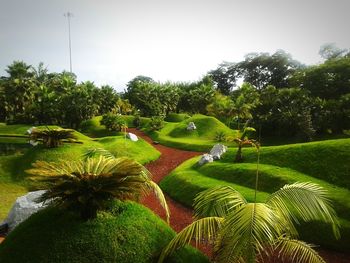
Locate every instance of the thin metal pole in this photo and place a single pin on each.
(69, 15)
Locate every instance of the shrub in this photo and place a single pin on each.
(113, 122)
(88, 186)
(157, 123)
(220, 136)
(51, 138)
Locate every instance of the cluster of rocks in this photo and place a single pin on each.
(214, 154)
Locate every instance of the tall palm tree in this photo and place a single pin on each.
(87, 186)
(245, 232)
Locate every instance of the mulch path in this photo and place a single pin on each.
(181, 216)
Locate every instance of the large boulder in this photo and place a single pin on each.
(24, 207)
(206, 158)
(218, 150)
(132, 137)
(191, 126)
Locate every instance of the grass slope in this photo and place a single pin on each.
(16, 155)
(128, 233)
(327, 160)
(325, 163)
(202, 139)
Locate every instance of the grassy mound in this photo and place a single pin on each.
(325, 163)
(201, 139)
(128, 233)
(326, 160)
(140, 151)
(16, 155)
(93, 128)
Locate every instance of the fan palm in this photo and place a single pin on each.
(87, 186)
(244, 232)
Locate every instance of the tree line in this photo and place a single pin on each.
(279, 95)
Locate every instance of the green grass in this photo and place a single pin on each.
(140, 151)
(327, 160)
(93, 128)
(202, 139)
(16, 156)
(325, 163)
(176, 117)
(127, 233)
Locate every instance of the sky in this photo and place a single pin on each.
(113, 41)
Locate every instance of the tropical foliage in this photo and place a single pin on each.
(113, 122)
(51, 138)
(244, 140)
(87, 186)
(244, 232)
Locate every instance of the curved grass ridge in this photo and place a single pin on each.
(129, 232)
(13, 181)
(202, 139)
(324, 163)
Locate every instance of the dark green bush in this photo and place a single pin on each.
(113, 122)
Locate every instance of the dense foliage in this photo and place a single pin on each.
(113, 122)
(33, 95)
(88, 186)
(279, 96)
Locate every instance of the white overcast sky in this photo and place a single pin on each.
(177, 40)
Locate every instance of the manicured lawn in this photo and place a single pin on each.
(175, 134)
(325, 163)
(128, 232)
(16, 156)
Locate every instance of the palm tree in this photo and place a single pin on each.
(88, 186)
(244, 140)
(245, 232)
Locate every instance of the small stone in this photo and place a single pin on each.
(206, 158)
(218, 150)
(132, 137)
(191, 126)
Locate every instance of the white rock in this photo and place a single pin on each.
(206, 158)
(132, 137)
(218, 150)
(191, 126)
(24, 207)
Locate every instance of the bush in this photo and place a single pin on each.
(51, 138)
(157, 123)
(113, 122)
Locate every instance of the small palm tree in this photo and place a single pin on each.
(87, 186)
(243, 140)
(51, 138)
(244, 232)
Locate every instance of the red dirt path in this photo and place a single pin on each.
(181, 216)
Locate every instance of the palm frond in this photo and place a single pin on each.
(94, 152)
(305, 201)
(205, 229)
(159, 194)
(217, 201)
(298, 251)
(246, 232)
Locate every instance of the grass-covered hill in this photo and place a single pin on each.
(325, 163)
(16, 155)
(128, 232)
(175, 134)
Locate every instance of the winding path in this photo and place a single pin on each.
(181, 216)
